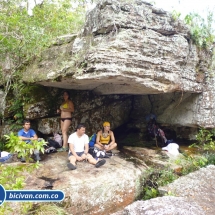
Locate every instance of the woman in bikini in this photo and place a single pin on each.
(66, 110)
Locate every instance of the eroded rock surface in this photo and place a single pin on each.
(126, 47)
(89, 190)
(197, 186)
(167, 205)
(156, 158)
(134, 48)
(193, 195)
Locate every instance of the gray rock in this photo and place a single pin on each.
(197, 186)
(89, 190)
(134, 48)
(167, 205)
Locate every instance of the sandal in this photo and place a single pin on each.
(100, 163)
(63, 149)
(71, 166)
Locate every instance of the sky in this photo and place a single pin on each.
(182, 6)
(186, 6)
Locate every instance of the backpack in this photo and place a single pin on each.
(92, 140)
(58, 139)
(53, 143)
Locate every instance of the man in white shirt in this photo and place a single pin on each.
(78, 149)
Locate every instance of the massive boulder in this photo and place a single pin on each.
(129, 48)
(89, 190)
(167, 205)
(193, 195)
(134, 48)
(197, 186)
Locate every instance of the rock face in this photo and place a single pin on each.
(155, 158)
(134, 48)
(192, 196)
(90, 109)
(194, 189)
(129, 48)
(89, 190)
(167, 205)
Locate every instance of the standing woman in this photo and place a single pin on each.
(66, 110)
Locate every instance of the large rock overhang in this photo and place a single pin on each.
(132, 48)
(124, 48)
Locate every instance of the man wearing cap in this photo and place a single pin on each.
(105, 139)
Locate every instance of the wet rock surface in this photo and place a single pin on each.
(153, 157)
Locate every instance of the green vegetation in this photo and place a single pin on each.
(155, 178)
(15, 145)
(47, 209)
(201, 30)
(11, 178)
(22, 93)
(23, 37)
(176, 15)
(27, 94)
(205, 140)
(192, 163)
(2, 144)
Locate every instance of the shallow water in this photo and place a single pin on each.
(188, 150)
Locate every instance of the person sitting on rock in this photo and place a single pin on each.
(27, 135)
(105, 139)
(78, 149)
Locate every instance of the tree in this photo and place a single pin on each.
(24, 36)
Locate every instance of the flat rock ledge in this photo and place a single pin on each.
(89, 190)
(153, 157)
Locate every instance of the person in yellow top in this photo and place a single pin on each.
(66, 110)
(105, 139)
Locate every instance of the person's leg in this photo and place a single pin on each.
(95, 162)
(64, 128)
(72, 162)
(99, 147)
(36, 154)
(90, 159)
(112, 146)
(83, 156)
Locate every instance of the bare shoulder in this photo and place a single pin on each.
(99, 132)
(111, 132)
(70, 102)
